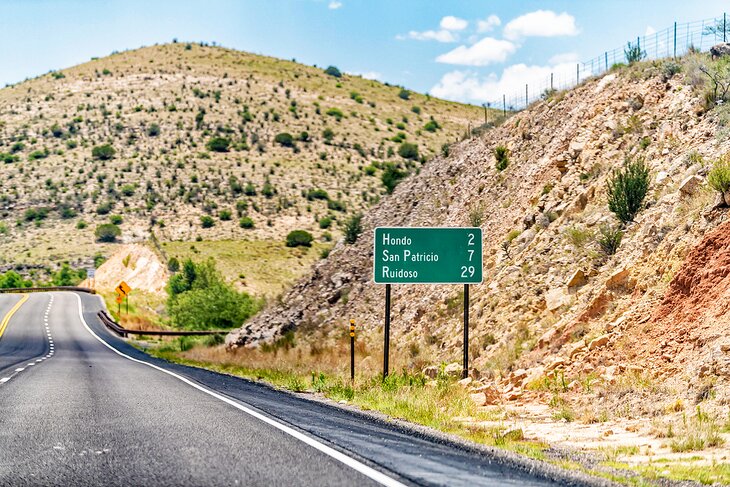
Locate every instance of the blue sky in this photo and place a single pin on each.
(465, 50)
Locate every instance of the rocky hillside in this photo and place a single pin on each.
(552, 299)
(164, 136)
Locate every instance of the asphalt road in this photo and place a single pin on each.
(80, 406)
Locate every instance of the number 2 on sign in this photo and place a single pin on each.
(467, 271)
(471, 239)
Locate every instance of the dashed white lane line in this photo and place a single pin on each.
(50, 343)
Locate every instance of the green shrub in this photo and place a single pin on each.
(8, 158)
(127, 189)
(333, 71)
(35, 214)
(241, 207)
(246, 222)
(392, 175)
(66, 276)
(103, 152)
(404, 94)
(627, 189)
(116, 219)
(104, 208)
(501, 154)
(12, 279)
(153, 130)
(719, 177)
(249, 189)
(107, 232)
(297, 238)
(39, 154)
(416, 109)
(431, 126)
(353, 228)
(67, 212)
(408, 151)
(173, 265)
(284, 139)
(268, 189)
(325, 222)
(634, 53)
(225, 215)
(370, 170)
(81, 225)
(336, 205)
(207, 221)
(198, 298)
(335, 112)
(317, 194)
(610, 239)
(218, 144)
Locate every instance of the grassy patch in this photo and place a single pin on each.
(261, 267)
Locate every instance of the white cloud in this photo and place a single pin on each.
(486, 51)
(541, 23)
(369, 75)
(468, 86)
(490, 23)
(566, 57)
(429, 35)
(334, 5)
(453, 23)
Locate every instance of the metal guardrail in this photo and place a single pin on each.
(47, 289)
(124, 332)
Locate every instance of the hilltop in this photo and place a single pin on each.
(206, 145)
(566, 327)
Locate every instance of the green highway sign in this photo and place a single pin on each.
(405, 255)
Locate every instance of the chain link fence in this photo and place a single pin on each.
(671, 42)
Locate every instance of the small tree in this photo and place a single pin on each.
(153, 130)
(218, 144)
(353, 228)
(173, 265)
(284, 139)
(391, 176)
(404, 94)
(103, 152)
(627, 189)
(408, 151)
(333, 71)
(297, 238)
(107, 232)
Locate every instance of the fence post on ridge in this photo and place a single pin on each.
(675, 40)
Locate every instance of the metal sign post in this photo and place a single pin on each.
(352, 351)
(404, 255)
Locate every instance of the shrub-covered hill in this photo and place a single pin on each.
(194, 142)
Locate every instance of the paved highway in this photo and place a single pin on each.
(80, 406)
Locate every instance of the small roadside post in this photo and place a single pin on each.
(352, 351)
(423, 255)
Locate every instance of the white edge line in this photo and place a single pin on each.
(373, 474)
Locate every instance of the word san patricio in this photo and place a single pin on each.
(404, 255)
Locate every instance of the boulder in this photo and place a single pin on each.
(577, 279)
(465, 382)
(661, 177)
(575, 148)
(619, 278)
(719, 50)
(556, 298)
(453, 369)
(575, 348)
(431, 371)
(486, 396)
(690, 185)
(601, 341)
